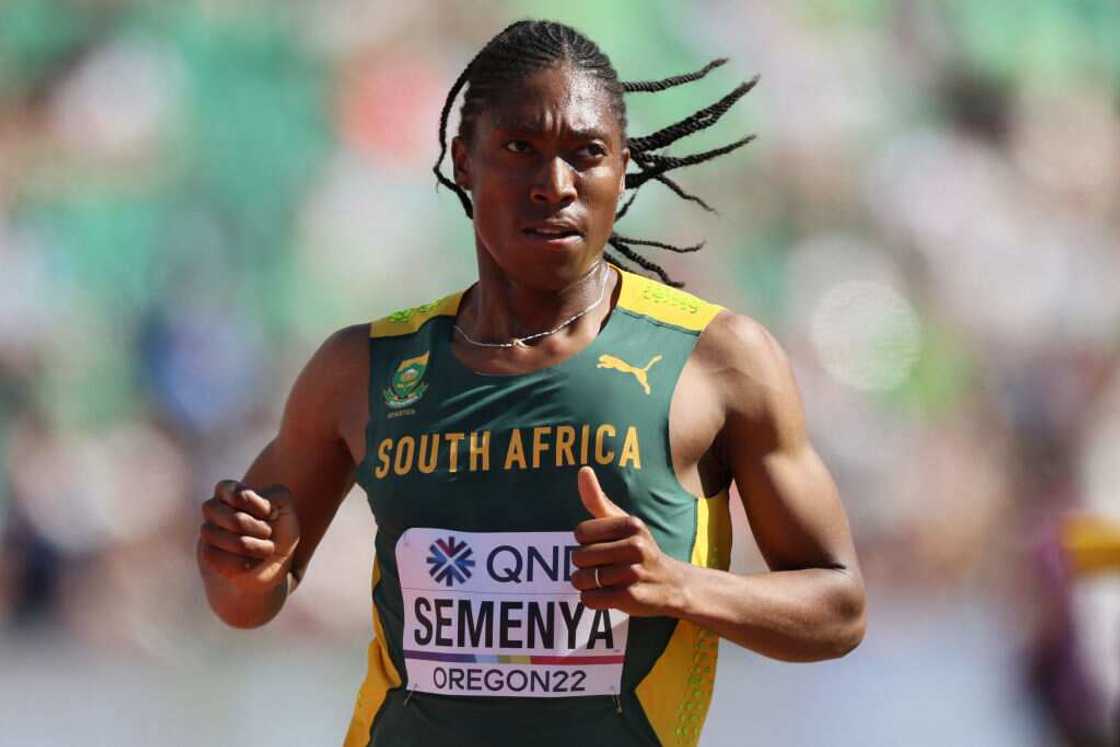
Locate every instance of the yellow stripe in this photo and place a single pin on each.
(676, 693)
(1092, 543)
(639, 294)
(713, 532)
(407, 321)
(381, 676)
(659, 302)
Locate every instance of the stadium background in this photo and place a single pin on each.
(194, 194)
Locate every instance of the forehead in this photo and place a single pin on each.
(555, 99)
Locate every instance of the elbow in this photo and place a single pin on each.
(849, 636)
(236, 613)
(234, 617)
(240, 623)
(241, 617)
(850, 610)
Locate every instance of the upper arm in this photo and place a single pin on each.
(309, 454)
(790, 498)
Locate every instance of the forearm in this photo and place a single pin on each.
(243, 609)
(802, 615)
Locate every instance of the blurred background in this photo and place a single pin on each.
(193, 195)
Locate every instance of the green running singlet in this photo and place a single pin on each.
(479, 637)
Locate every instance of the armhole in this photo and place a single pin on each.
(381, 677)
(676, 693)
(667, 436)
(371, 378)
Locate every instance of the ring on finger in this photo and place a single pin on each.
(598, 584)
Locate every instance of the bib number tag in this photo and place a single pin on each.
(495, 613)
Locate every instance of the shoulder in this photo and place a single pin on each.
(343, 351)
(739, 342)
(747, 365)
(328, 388)
(335, 371)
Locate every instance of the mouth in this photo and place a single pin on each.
(553, 235)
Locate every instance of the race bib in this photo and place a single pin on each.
(495, 613)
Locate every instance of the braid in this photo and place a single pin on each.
(645, 165)
(660, 245)
(660, 164)
(625, 250)
(626, 206)
(653, 166)
(653, 86)
(701, 120)
(525, 47)
(440, 178)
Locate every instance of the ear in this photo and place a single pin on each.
(461, 162)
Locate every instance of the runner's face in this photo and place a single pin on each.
(545, 167)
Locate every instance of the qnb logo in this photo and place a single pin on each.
(450, 562)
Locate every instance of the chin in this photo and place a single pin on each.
(557, 271)
(547, 268)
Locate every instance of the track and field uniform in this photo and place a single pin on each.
(479, 637)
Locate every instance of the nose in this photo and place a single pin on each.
(555, 183)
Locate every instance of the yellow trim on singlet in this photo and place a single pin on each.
(381, 676)
(661, 303)
(640, 295)
(676, 693)
(408, 321)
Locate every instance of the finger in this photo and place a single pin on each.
(237, 544)
(601, 599)
(623, 551)
(241, 498)
(279, 499)
(594, 499)
(226, 490)
(610, 576)
(239, 522)
(609, 529)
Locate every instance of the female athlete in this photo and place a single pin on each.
(548, 453)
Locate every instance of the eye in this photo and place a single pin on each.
(517, 146)
(593, 150)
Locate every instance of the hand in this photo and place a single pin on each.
(248, 538)
(634, 575)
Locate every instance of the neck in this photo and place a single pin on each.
(501, 308)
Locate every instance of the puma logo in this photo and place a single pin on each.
(610, 361)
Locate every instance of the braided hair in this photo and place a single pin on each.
(525, 47)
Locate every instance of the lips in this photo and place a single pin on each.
(552, 231)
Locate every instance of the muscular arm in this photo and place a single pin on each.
(308, 468)
(811, 604)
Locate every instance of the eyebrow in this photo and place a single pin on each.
(526, 127)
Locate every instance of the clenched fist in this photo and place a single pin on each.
(248, 537)
(620, 564)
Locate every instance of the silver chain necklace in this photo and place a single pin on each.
(519, 342)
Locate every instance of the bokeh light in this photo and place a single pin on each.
(194, 195)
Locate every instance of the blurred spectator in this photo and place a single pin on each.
(193, 195)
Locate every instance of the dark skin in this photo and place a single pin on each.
(550, 158)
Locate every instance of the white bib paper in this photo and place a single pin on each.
(495, 613)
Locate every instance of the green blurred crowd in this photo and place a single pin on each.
(193, 195)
